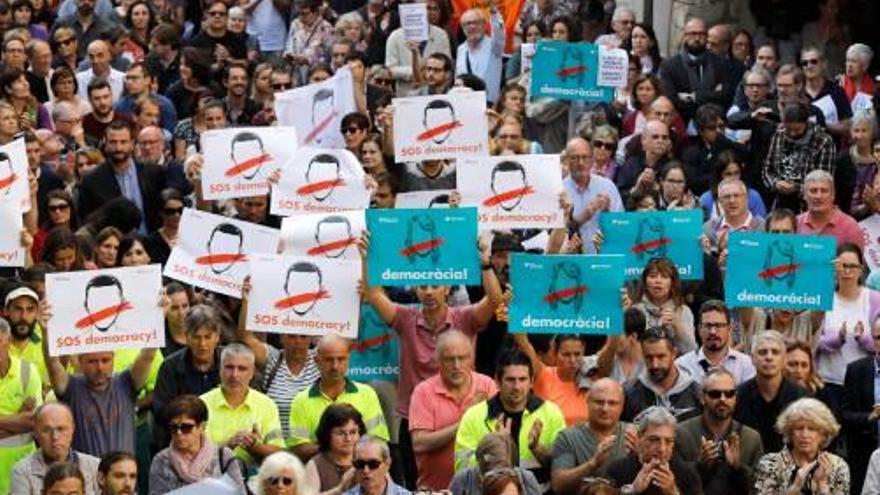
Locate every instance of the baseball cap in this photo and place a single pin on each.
(19, 292)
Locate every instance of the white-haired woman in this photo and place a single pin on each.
(350, 26)
(281, 474)
(856, 80)
(803, 466)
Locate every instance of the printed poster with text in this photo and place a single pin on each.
(786, 271)
(12, 253)
(14, 185)
(423, 246)
(513, 192)
(239, 160)
(212, 251)
(577, 71)
(316, 110)
(640, 236)
(304, 295)
(105, 310)
(566, 294)
(375, 355)
(319, 180)
(438, 127)
(871, 234)
(327, 235)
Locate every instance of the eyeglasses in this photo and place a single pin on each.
(605, 145)
(714, 326)
(850, 267)
(809, 61)
(360, 464)
(59, 207)
(172, 211)
(216, 13)
(65, 42)
(716, 394)
(282, 86)
(434, 69)
(185, 428)
(279, 480)
(351, 130)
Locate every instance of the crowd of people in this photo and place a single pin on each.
(770, 128)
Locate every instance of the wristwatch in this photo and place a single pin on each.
(628, 490)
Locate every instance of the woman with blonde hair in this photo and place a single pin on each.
(800, 367)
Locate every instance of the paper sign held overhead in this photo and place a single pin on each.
(319, 180)
(414, 21)
(12, 253)
(316, 110)
(326, 235)
(441, 126)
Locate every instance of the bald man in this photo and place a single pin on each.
(590, 194)
(53, 432)
(641, 171)
(588, 448)
(100, 56)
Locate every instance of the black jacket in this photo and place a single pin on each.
(681, 74)
(858, 401)
(100, 186)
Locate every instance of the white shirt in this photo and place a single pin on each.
(484, 60)
(737, 363)
(115, 78)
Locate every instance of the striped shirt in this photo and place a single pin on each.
(285, 385)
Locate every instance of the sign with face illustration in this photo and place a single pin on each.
(239, 160)
(316, 110)
(780, 271)
(304, 295)
(520, 191)
(566, 294)
(319, 180)
(577, 71)
(441, 126)
(14, 186)
(11, 251)
(438, 198)
(117, 308)
(326, 235)
(423, 246)
(212, 251)
(640, 236)
(375, 355)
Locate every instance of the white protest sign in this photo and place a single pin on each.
(423, 199)
(320, 181)
(316, 110)
(11, 251)
(613, 67)
(516, 191)
(14, 175)
(212, 251)
(105, 310)
(328, 235)
(304, 295)
(441, 126)
(239, 160)
(414, 21)
(527, 52)
(871, 234)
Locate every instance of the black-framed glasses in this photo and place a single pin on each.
(172, 211)
(282, 86)
(605, 145)
(280, 480)
(713, 326)
(809, 61)
(717, 394)
(185, 428)
(66, 41)
(351, 130)
(360, 464)
(59, 207)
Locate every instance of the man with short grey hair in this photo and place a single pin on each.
(733, 197)
(622, 22)
(372, 460)
(652, 468)
(823, 217)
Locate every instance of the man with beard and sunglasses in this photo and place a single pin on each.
(726, 451)
(21, 310)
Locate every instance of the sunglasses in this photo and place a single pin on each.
(65, 42)
(185, 428)
(280, 480)
(351, 130)
(605, 145)
(809, 61)
(716, 394)
(60, 207)
(360, 464)
(173, 211)
(282, 86)
(384, 81)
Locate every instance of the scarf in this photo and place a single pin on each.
(197, 469)
(865, 85)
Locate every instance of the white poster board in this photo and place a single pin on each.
(871, 234)
(105, 310)
(304, 295)
(316, 110)
(441, 126)
(11, 251)
(438, 198)
(326, 235)
(319, 180)
(212, 251)
(414, 21)
(14, 174)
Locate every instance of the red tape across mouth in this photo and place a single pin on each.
(421, 246)
(331, 246)
(436, 131)
(297, 299)
(314, 187)
(102, 314)
(248, 164)
(778, 270)
(213, 259)
(8, 181)
(647, 246)
(313, 134)
(564, 293)
(570, 71)
(507, 196)
(367, 344)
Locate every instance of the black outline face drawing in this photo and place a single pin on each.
(421, 228)
(227, 229)
(302, 270)
(566, 275)
(95, 285)
(439, 201)
(318, 163)
(323, 105)
(438, 117)
(651, 229)
(243, 140)
(507, 169)
(780, 253)
(5, 191)
(339, 229)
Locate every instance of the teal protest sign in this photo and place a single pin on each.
(375, 355)
(423, 246)
(566, 294)
(643, 235)
(780, 271)
(577, 71)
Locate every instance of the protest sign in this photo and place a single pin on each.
(423, 246)
(566, 294)
(527, 53)
(375, 355)
(316, 110)
(328, 235)
(11, 251)
(320, 181)
(441, 126)
(438, 198)
(575, 71)
(212, 251)
(513, 192)
(640, 236)
(304, 295)
(785, 271)
(105, 310)
(414, 21)
(871, 234)
(239, 160)
(14, 185)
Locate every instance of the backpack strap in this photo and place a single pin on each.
(270, 377)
